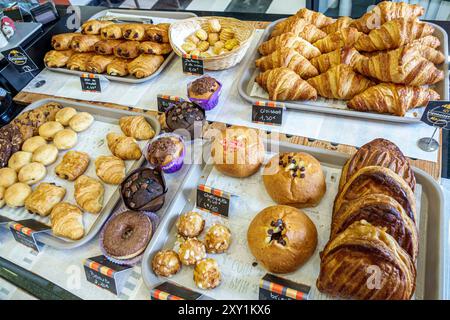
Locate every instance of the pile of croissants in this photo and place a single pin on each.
(373, 245)
(382, 62)
(112, 48)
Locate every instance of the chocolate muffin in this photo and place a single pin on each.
(5, 152)
(183, 115)
(11, 132)
(144, 189)
(203, 88)
(166, 152)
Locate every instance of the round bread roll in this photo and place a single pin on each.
(64, 115)
(294, 179)
(32, 173)
(282, 238)
(45, 154)
(81, 121)
(238, 151)
(19, 159)
(8, 177)
(2, 196)
(49, 129)
(65, 139)
(33, 143)
(16, 194)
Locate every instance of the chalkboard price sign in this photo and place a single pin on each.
(90, 83)
(269, 113)
(192, 65)
(213, 200)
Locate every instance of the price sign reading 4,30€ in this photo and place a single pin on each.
(213, 200)
(90, 83)
(268, 112)
(192, 64)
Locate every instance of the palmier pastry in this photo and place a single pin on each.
(78, 61)
(136, 127)
(49, 129)
(65, 139)
(155, 48)
(127, 50)
(81, 121)
(118, 67)
(166, 263)
(123, 147)
(44, 198)
(98, 63)
(19, 159)
(145, 65)
(62, 41)
(106, 46)
(94, 26)
(57, 59)
(110, 169)
(191, 251)
(158, 33)
(84, 43)
(73, 165)
(16, 194)
(190, 224)
(134, 31)
(111, 32)
(207, 274)
(67, 221)
(31, 144)
(8, 177)
(45, 154)
(89, 194)
(64, 115)
(32, 173)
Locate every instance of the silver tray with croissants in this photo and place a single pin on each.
(385, 65)
(365, 227)
(117, 44)
(67, 169)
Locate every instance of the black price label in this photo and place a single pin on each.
(192, 65)
(100, 280)
(272, 287)
(19, 59)
(165, 101)
(437, 114)
(267, 113)
(90, 83)
(213, 200)
(25, 231)
(171, 291)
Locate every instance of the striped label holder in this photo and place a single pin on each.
(106, 274)
(192, 64)
(25, 232)
(171, 291)
(93, 82)
(268, 112)
(165, 101)
(272, 287)
(213, 200)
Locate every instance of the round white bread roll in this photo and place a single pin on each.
(45, 154)
(33, 143)
(81, 121)
(16, 194)
(8, 177)
(19, 159)
(32, 173)
(49, 129)
(65, 139)
(64, 115)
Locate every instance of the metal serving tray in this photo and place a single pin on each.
(142, 13)
(101, 114)
(430, 267)
(248, 78)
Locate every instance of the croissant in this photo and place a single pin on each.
(110, 169)
(339, 56)
(155, 48)
(98, 63)
(340, 82)
(135, 32)
(292, 24)
(392, 98)
(111, 32)
(379, 152)
(301, 28)
(67, 221)
(339, 24)
(393, 34)
(94, 26)
(123, 147)
(57, 59)
(289, 58)
(345, 38)
(316, 18)
(289, 40)
(62, 41)
(89, 194)
(136, 127)
(84, 43)
(284, 84)
(432, 55)
(106, 46)
(429, 41)
(365, 262)
(158, 33)
(127, 50)
(386, 11)
(145, 65)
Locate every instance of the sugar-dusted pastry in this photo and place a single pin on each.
(16, 194)
(67, 221)
(158, 33)
(57, 59)
(123, 147)
(44, 198)
(19, 159)
(32, 173)
(78, 61)
(207, 274)
(118, 67)
(110, 169)
(111, 32)
(145, 65)
(192, 251)
(106, 46)
(62, 41)
(217, 239)
(136, 127)
(98, 63)
(155, 48)
(81, 121)
(31, 144)
(73, 165)
(94, 26)
(49, 129)
(127, 49)
(89, 194)
(165, 263)
(190, 224)
(65, 139)
(45, 154)
(134, 31)
(64, 115)
(84, 43)
(2, 198)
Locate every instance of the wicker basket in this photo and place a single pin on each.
(244, 31)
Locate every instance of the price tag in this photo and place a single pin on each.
(25, 232)
(19, 59)
(192, 64)
(90, 83)
(106, 274)
(165, 101)
(213, 200)
(171, 291)
(272, 287)
(268, 113)
(437, 114)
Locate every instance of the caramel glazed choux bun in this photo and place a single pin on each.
(238, 151)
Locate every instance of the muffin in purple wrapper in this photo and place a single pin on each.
(166, 152)
(205, 92)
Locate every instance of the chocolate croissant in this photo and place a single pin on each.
(62, 41)
(94, 26)
(111, 32)
(118, 67)
(84, 43)
(158, 33)
(127, 50)
(89, 193)
(344, 38)
(150, 47)
(73, 165)
(134, 32)
(106, 46)
(339, 56)
(289, 40)
(145, 65)
(98, 63)
(57, 59)
(123, 147)
(78, 61)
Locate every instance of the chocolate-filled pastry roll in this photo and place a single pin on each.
(118, 67)
(145, 65)
(94, 26)
(98, 63)
(57, 59)
(78, 61)
(111, 32)
(106, 46)
(151, 47)
(134, 31)
(84, 43)
(62, 41)
(158, 33)
(127, 50)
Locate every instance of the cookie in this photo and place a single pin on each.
(5, 152)
(12, 133)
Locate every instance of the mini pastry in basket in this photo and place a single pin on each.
(127, 50)
(45, 154)
(81, 121)
(16, 194)
(62, 41)
(123, 147)
(57, 59)
(205, 92)
(44, 198)
(49, 129)
(167, 152)
(118, 67)
(191, 251)
(289, 40)
(145, 65)
(207, 274)
(98, 63)
(67, 221)
(190, 224)
(110, 169)
(65, 139)
(166, 263)
(73, 165)
(217, 239)
(64, 115)
(282, 238)
(238, 151)
(94, 26)
(294, 178)
(8, 177)
(134, 31)
(150, 47)
(158, 33)
(78, 61)
(32, 173)
(84, 43)
(111, 32)
(106, 46)
(19, 159)
(89, 194)
(136, 127)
